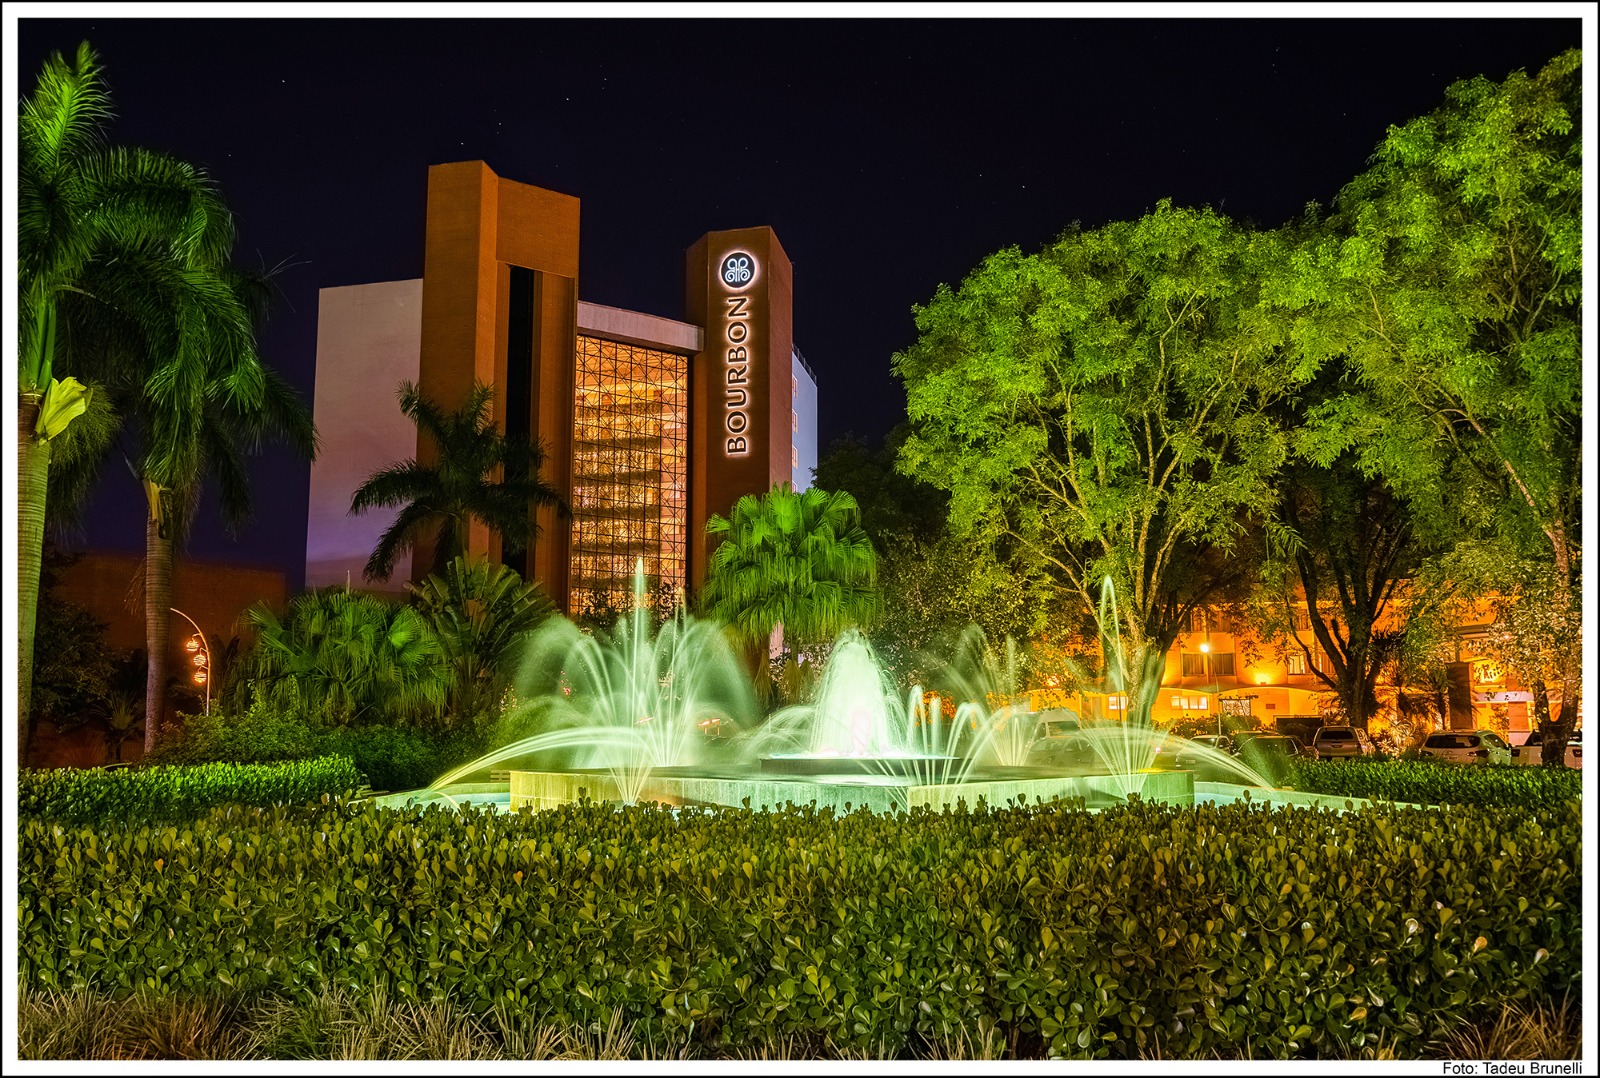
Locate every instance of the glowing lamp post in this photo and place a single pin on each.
(201, 652)
(1216, 686)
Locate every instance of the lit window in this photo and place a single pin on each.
(794, 420)
(630, 455)
(1297, 663)
(1116, 703)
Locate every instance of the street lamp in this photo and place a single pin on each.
(201, 650)
(1216, 686)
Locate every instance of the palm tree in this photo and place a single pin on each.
(341, 657)
(482, 475)
(796, 560)
(84, 210)
(205, 400)
(482, 614)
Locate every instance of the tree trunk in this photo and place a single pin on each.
(1554, 733)
(757, 657)
(1358, 692)
(33, 471)
(157, 621)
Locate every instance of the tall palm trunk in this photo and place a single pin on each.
(33, 470)
(157, 614)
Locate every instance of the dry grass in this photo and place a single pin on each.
(66, 1025)
(340, 1026)
(1522, 1031)
(80, 1025)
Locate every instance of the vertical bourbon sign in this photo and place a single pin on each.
(740, 287)
(737, 273)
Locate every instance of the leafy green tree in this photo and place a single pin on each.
(482, 615)
(799, 560)
(1449, 280)
(73, 676)
(932, 583)
(124, 713)
(89, 217)
(1354, 546)
(482, 475)
(338, 657)
(1533, 631)
(893, 505)
(1102, 409)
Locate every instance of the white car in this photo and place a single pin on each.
(1466, 747)
(1531, 751)
(1339, 742)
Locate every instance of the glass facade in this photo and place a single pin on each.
(630, 463)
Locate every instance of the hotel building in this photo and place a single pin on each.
(649, 424)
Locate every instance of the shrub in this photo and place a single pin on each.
(176, 793)
(348, 658)
(395, 758)
(391, 758)
(1145, 929)
(260, 735)
(1429, 782)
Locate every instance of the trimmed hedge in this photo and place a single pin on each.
(1425, 782)
(1140, 930)
(176, 793)
(392, 758)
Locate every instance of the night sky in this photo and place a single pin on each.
(889, 155)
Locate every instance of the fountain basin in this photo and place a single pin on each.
(881, 793)
(814, 764)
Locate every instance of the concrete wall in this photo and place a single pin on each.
(369, 340)
(804, 421)
(635, 327)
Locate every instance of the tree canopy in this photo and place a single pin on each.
(1100, 409)
(799, 560)
(1448, 283)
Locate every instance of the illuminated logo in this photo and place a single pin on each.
(738, 269)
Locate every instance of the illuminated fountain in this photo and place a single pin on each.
(623, 705)
(669, 715)
(858, 723)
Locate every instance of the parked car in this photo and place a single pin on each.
(1271, 754)
(1499, 748)
(1342, 742)
(1056, 739)
(1188, 758)
(1531, 751)
(1456, 747)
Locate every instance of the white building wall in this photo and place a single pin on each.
(804, 425)
(369, 340)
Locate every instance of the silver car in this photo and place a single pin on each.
(1466, 747)
(1342, 742)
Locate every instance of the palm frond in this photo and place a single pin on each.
(397, 484)
(427, 415)
(398, 538)
(64, 117)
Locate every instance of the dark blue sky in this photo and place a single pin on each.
(889, 155)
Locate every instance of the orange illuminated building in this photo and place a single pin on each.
(649, 424)
(1219, 669)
